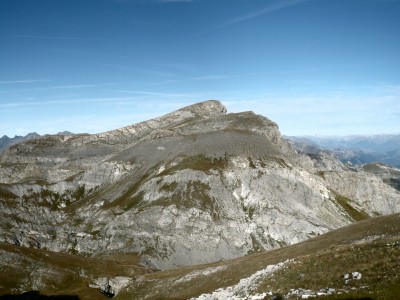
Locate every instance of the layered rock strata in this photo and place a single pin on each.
(195, 186)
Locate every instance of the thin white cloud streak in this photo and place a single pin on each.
(67, 51)
(156, 93)
(49, 37)
(108, 100)
(201, 78)
(115, 66)
(23, 81)
(58, 87)
(76, 86)
(212, 77)
(143, 70)
(222, 77)
(156, 73)
(273, 8)
(187, 67)
(113, 100)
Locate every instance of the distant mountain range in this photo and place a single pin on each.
(6, 141)
(358, 149)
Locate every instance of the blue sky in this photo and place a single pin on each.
(316, 67)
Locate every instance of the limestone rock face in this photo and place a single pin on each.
(365, 185)
(197, 185)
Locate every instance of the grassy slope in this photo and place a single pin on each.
(60, 273)
(322, 260)
(317, 252)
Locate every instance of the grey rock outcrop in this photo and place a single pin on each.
(365, 185)
(194, 186)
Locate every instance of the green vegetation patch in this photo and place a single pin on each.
(61, 273)
(249, 210)
(5, 193)
(257, 247)
(199, 162)
(134, 201)
(47, 198)
(130, 198)
(251, 163)
(169, 187)
(72, 177)
(344, 202)
(194, 194)
(79, 193)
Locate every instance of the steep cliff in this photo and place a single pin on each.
(197, 185)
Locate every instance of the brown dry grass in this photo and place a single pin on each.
(165, 282)
(377, 261)
(62, 271)
(323, 260)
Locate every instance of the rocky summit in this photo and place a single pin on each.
(197, 185)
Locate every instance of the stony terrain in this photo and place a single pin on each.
(359, 261)
(195, 186)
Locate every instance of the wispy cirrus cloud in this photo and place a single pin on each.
(113, 100)
(162, 94)
(187, 67)
(238, 75)
(269, 9)
(61, 87)
(207, 77)
(60, 37)
(75, 86)
(23, 81)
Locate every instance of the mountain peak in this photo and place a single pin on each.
(206, 108)
(199, 110)
(193, 186)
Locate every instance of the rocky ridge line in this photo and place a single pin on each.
(195, 186)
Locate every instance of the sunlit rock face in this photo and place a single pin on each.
(194, 186)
